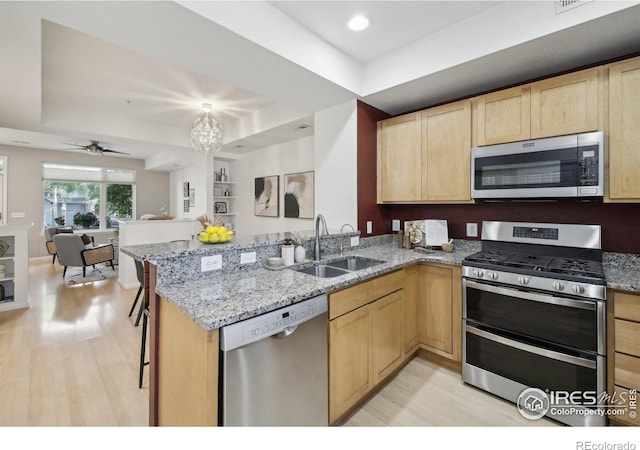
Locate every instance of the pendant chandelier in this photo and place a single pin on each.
(206, 133)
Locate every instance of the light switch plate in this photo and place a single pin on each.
(395, 225)
(17, 215)
(209, 263)
(369, 227)
(355, 241)
(472, 230)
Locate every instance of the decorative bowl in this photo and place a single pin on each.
(275, 261)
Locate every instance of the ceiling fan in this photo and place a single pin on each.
(96, 149)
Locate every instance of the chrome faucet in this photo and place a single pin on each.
(341, 236)
(319, 219)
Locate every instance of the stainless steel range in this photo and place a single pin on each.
(534, 317)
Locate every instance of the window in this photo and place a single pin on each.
(74, 196)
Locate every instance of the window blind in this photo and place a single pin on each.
(65, 172)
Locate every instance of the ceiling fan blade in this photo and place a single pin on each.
(114, 151)
(75, 145)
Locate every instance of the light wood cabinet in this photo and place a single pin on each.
(503, 116)
(388, 338)
(399, 159)
(556, 106)
(411, 293)
(446, 153)
(624, 351)
(350, 360)
(366, 342)
(565, 104)
(426, 157)
(624, 132)
(440, 310)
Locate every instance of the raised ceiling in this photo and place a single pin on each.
(132, 74)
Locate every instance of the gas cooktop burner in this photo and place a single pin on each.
(538, 265)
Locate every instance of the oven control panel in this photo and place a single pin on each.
(536, 233)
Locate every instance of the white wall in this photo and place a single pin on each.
(290, 157)
(335, 162)
(331, 153)
(24, 187)
(196, 176)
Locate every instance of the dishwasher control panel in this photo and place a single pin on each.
(260, 327)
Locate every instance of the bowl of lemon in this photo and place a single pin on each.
(216, 235)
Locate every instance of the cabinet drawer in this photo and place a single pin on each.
(341, 302)
(626, 306)
(627, 371)
(627, 337)
(386, 284)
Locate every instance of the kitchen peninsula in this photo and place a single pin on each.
(188, 307)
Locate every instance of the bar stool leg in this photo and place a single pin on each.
(136, 300)
(143, 349)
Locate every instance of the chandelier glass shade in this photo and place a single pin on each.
(206, 133)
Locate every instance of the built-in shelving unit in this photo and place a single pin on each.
(14, 268)
(224, 204)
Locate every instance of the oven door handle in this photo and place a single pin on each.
(531, 348)
(582, 304)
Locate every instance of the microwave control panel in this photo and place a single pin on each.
(588, 165)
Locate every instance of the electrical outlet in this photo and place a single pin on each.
(209, 263)
(355, 241)
(472, 230)
(395, 225)
(369, 227)
(247, 258)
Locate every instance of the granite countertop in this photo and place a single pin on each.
(238, 296)
(243, 295)
(622, 271)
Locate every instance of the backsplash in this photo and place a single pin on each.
(180, 264)
(618, 221)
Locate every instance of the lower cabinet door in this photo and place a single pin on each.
(350, 360)
(388, 341)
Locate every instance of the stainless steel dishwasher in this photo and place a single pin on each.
(274, 368)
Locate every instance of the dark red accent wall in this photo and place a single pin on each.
(618, 221)
(368, 118)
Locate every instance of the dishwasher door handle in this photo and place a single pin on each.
(286, 332)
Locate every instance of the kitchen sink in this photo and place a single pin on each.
(353, 263)
(322, 271)
(339, 267)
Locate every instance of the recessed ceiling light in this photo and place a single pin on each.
(358, 23)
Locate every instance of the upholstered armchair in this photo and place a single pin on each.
(48, 234)
(72, 251)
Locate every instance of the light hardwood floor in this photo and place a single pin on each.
(71, 359)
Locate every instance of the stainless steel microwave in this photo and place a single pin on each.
(557, 167)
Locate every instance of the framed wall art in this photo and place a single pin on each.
(185, 189)
(220, 207)
(299, 195)
(192, 197)
(266, 196)
(186, 205)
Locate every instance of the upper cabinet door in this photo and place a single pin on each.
(446, 153)
(504, 116)
(624, 130)
(399, 158)
(565, 105)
